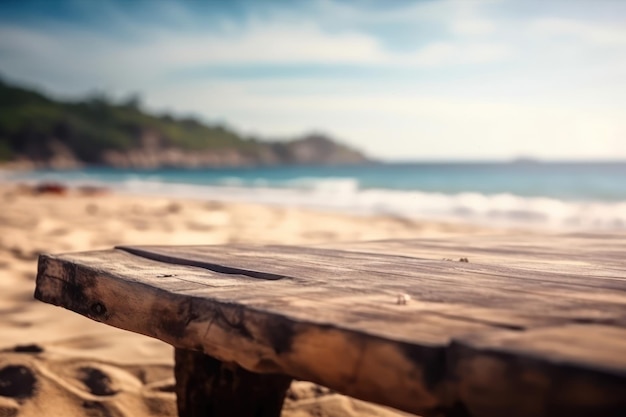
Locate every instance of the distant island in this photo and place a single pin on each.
(37, 131)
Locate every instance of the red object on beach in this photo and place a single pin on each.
(51, 188)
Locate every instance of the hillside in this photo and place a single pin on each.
(38, 131)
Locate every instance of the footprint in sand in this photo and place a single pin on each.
(32, 348)
(89, 378)
(96, 381)
(33, 378)
(17, 381)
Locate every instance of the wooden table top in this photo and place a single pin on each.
(528, 326)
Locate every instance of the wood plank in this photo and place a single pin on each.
(332, 316)
(249, 321)
(573, 370)
(579, 251)
(570, 296)
(206, 387)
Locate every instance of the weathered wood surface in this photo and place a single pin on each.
(530, 326)
(208, 387)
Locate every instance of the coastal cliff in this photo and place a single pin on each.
(37, 131)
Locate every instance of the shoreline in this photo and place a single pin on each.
(338, 195)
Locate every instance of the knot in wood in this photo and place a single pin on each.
(403, 299)
(98, 309)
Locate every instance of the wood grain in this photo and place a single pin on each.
(501, 331)
(206, 387)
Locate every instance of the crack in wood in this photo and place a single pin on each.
(200, 264)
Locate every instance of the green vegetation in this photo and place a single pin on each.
(29, 121)
(33, 126)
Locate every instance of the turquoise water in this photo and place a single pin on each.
(561, 194)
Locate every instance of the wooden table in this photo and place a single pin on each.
(528, 326)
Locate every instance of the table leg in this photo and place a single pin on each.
(207, 387)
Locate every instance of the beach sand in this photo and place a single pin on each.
(57, 363)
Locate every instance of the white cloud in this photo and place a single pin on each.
(485, 89)
(458, 53)
(265, 43)
(278, 43)
(462, 15)
(59, 59)
(80, 56)
(403, 124)
(472, 26)
(595, 33)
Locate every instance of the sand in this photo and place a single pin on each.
(57, 363)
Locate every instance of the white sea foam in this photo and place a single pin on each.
(345, 195)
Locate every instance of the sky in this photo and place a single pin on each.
(401, 80)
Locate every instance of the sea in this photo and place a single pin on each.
(536, 194)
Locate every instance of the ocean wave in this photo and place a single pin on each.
(333, 185)
(347, 195)
(343, 195)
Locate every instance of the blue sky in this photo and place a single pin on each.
(492, 79)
